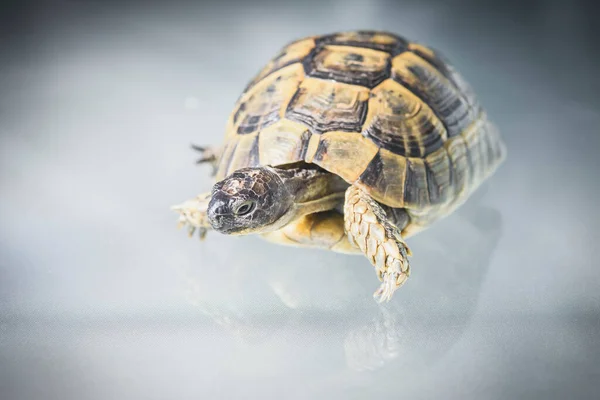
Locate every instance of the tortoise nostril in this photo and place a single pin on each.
(222, 210)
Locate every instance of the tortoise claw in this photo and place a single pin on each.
(208, 154)
(391, 281)
(191, 229)
(192, 214)
(197, 147)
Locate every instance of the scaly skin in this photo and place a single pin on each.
(192, 213)
(369, 229)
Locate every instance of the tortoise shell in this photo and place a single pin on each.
(387, 114)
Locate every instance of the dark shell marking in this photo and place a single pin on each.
(356, 66)
(376, 40)
(329, 106)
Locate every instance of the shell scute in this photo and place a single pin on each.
(384, 178)
(399, 121)
(439, 176)
(264, 104)
(434, 89)
(329, 106)
(345, 153)
(439, 62)
(377, 40)
(290, 54)
(283, 142)
(353, 65)
(416, 191)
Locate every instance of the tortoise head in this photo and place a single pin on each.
(251, 200)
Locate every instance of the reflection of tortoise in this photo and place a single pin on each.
(349, 142)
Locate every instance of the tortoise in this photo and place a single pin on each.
(350, 141)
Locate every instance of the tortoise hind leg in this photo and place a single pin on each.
(371, 230)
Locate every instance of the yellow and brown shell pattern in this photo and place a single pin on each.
(390, 115)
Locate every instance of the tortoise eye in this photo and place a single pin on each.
(245, 208)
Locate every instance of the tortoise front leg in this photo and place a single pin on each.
(369, 228)
(193, 213)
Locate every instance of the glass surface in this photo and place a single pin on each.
(102, 298)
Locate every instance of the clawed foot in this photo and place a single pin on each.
(394, 271)
(369, 229)
(208, 155)
(192, 214)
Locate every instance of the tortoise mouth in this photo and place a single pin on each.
(218, 211)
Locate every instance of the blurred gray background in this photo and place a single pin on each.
(102, 298)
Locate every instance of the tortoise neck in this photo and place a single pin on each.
(312, 188)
